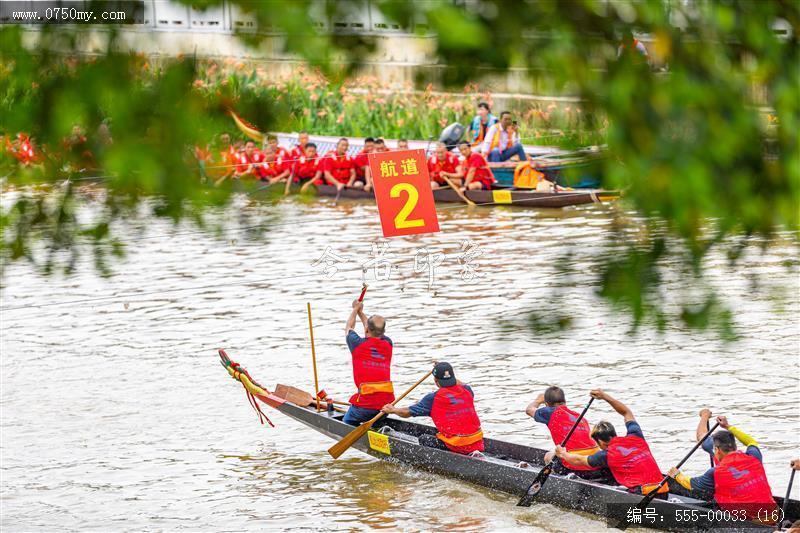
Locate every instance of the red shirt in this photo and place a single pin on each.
(361, 161)
(436, 166)
(243, 161)
(338, 166)
(483, 173)
(305, 168)
(282, 153)
(271, 169)
(297, 152)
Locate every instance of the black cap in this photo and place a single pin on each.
(444, 373)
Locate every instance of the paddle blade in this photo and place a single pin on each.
(340, 447)
(535, 487)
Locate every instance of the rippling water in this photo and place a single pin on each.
(117, 415)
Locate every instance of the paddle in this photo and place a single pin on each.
(786, 523)
(711, 457)
(544, 473)
(348, 440)
(458, 191)
(313, 354)
(652, 494)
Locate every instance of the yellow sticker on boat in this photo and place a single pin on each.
(501, 197)
(378, 442)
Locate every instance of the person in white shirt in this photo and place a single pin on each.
(502, 141)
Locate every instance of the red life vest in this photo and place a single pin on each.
(740, 479)
(372, 361)
(632, 464)
(339, 166)
(581, 442)
(453, 414)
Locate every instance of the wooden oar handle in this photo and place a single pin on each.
(412, 387)
(363, 292)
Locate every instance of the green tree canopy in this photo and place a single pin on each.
(704, 144)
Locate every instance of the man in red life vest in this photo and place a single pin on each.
(23, 150)
(452, 409)
(361, 161)
(247, 161)
(559, 419)
(308, 168)
(443, 163)
(372, 365)
(380, 145)
(338, 168)
(280, 152)
(628, 457)
(273, 169)
(227, 156)
(738, 481)
(300, 149)
(477, 174)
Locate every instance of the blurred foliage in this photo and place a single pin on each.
(687, 134)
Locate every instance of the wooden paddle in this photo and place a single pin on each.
(787, 523)
(708, 428)
(544, 473)
(313, 355)
(623, 525)
(300, 397)
(348, 440)
(458, 191)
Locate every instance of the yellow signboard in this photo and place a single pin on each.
(378, 442)
(501, 197)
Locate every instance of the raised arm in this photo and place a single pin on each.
(534, 405)
(702, 426)
(363, 317)
(617, 405)
(740, 435)
(351, 320)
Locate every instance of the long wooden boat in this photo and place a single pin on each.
(503, 466)
(498, 196)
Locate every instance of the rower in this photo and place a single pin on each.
(272, 168)
(629, 458)
(361, 161)
(738, 481)
(477, 174)
(247, 161)
(300, 149)
(280, 152)
(380, 145)
(443, 164)
(338, 168)
(559, 419)
(452, 409)
(402, 144)
(372, 360)
(307, 168)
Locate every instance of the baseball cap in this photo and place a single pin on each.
(444, 373)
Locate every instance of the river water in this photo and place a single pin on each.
(116, 414)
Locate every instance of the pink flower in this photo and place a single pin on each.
(443, 122)
(322, 112)
(340, 118)
(314, 97)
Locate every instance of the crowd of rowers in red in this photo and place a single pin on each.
(303, 164)
(737, 480)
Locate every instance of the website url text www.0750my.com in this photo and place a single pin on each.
(125, 12)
